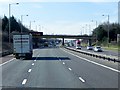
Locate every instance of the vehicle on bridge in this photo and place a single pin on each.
(22, 46)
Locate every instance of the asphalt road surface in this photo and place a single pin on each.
(105, 52)
(59, 68)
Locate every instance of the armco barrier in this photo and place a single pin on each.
(5, 53)
(102, 56)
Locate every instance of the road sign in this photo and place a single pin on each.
(36, 33)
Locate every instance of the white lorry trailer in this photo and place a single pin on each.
(22, 46)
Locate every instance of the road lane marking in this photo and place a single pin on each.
(81, 79)
(7, 62)
(70, 69)
(29, 70)
(35, 60)
(24, 81)
(94, 62)
(63, 63)
(33, 64)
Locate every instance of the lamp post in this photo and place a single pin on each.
(9, 18)
(80, 30)
(39, 27)
(83, 30)
(22, 20)
(30, 24)
(89, 29)
(86, 28)
(95, 27)
(108, 29)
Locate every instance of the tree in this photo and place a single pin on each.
(102, 32)
(5, 23)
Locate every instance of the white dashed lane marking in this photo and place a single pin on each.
(29, 70)
(70, 69)
(81, 79)
(33, 64)
(24, 81)
(94, 62)
(63, 63)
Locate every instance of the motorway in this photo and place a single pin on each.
(59, 68)
(105, 52)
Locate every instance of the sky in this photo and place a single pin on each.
(70, 17)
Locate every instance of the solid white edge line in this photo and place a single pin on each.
(32, 63)
(70, 69)
(24, 81)
(29, 70)
(7, 62)
(81, 79)
(94, 62)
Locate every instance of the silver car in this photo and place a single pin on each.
(89, 47)
(97, 49)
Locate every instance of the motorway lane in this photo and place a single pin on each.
(47, 70)
(6, 58)
(95, 76)
(98, 60)
(105, 52)
(51, 72)
(14, 72)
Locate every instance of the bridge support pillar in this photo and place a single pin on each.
(89, 42)
(63, 41)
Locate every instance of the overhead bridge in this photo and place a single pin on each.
(40, 35)
(66, 36)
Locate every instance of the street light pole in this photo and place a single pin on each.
(108, 29)
(86, 29)
(39, 27)
(9, 19)
(30, 24)
(89, 29)
(95, 27)
(22, 20)
(9, 22)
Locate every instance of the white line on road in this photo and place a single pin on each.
(70, 69)
(35, 60)
(24, 81)
(29, 70)
(33, 64)
(81, 79)
(94, 62)
(63, 63)
(7, 62)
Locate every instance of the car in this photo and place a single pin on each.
(89, 47)
(98, 49)
(78, 47)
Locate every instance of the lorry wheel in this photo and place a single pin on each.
(17, 57)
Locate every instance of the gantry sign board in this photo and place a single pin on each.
(36, 34)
